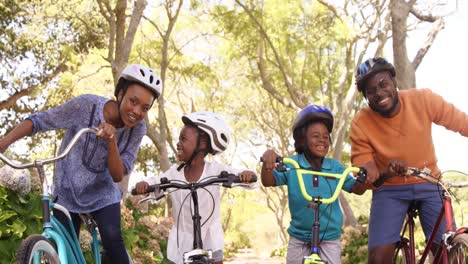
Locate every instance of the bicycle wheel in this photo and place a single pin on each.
(458, 253)
(402, 252)
(37, 244)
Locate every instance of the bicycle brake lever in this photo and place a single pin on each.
(145, 199)
(362, 175)
(280, 165)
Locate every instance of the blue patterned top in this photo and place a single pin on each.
(82, 180)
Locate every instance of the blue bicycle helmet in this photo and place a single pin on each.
(313, 113)
(370, 67)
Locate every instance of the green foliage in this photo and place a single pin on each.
(39, 39)
(354, 245)
(19, 217)
(145, 235)
(279, 252)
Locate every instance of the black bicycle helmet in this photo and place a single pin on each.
(370, 67)
(314, 113)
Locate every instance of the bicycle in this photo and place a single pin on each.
(197, 255)
(454, 244)
(316, 201)
(55, 244)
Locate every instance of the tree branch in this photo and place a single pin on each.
(438, 26)
(331, 8)
(423, 17)
(11, 101)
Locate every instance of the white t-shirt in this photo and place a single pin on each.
(211, 231)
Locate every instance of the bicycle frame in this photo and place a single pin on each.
(446, 212)
(442, 252)
(68, 246)
(315, 202)
(197, 254)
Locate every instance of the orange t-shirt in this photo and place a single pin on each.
(407, 135)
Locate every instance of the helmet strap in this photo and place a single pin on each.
(194, 154)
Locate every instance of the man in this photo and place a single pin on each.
(391, 133)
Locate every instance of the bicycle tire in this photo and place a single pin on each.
(402, 252)
(37, 244)
(458, 254)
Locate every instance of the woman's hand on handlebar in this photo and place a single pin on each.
(106, 131)
(269, 159)
(141, 187)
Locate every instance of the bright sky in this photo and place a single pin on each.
(444, 70)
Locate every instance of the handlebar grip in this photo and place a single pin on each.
(150, 189)
(278, 159)
(253, 179)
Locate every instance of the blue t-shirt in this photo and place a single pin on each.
(82, 180)
(302, 218)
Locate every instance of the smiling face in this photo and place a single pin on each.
(318, 139)
(382, 94)
(135, 104)
(187, 142)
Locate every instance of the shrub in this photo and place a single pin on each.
(20, 216)
(354, 245)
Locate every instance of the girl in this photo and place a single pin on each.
(202, 133)
(86, 179)
(311, 131)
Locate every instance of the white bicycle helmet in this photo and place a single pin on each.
(213, 125)
(143, 75)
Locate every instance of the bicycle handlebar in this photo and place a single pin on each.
(40, 162)
(362, 174)
(426, 175)
(227, 179)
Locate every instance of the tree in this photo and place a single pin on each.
(120, 38)
(400, 11)
(38, 42)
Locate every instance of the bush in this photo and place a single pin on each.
(279, 252)
(20, 216)
(354, 245)
(145, 234)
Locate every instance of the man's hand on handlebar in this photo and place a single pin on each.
(397, 167)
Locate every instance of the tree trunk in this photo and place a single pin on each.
(405, 73)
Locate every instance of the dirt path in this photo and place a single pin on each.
(249, 256)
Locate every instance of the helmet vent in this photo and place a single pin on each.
(157, 82)
(201, 120)
(151, 79)
(142, 72)
(223, 136)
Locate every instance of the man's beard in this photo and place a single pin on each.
(389, 112)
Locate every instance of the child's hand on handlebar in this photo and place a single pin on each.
(246, 176)
(397, 167)
(106, 131)
(141, 187)
(269, 159)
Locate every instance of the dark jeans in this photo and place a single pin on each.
(108, 222)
